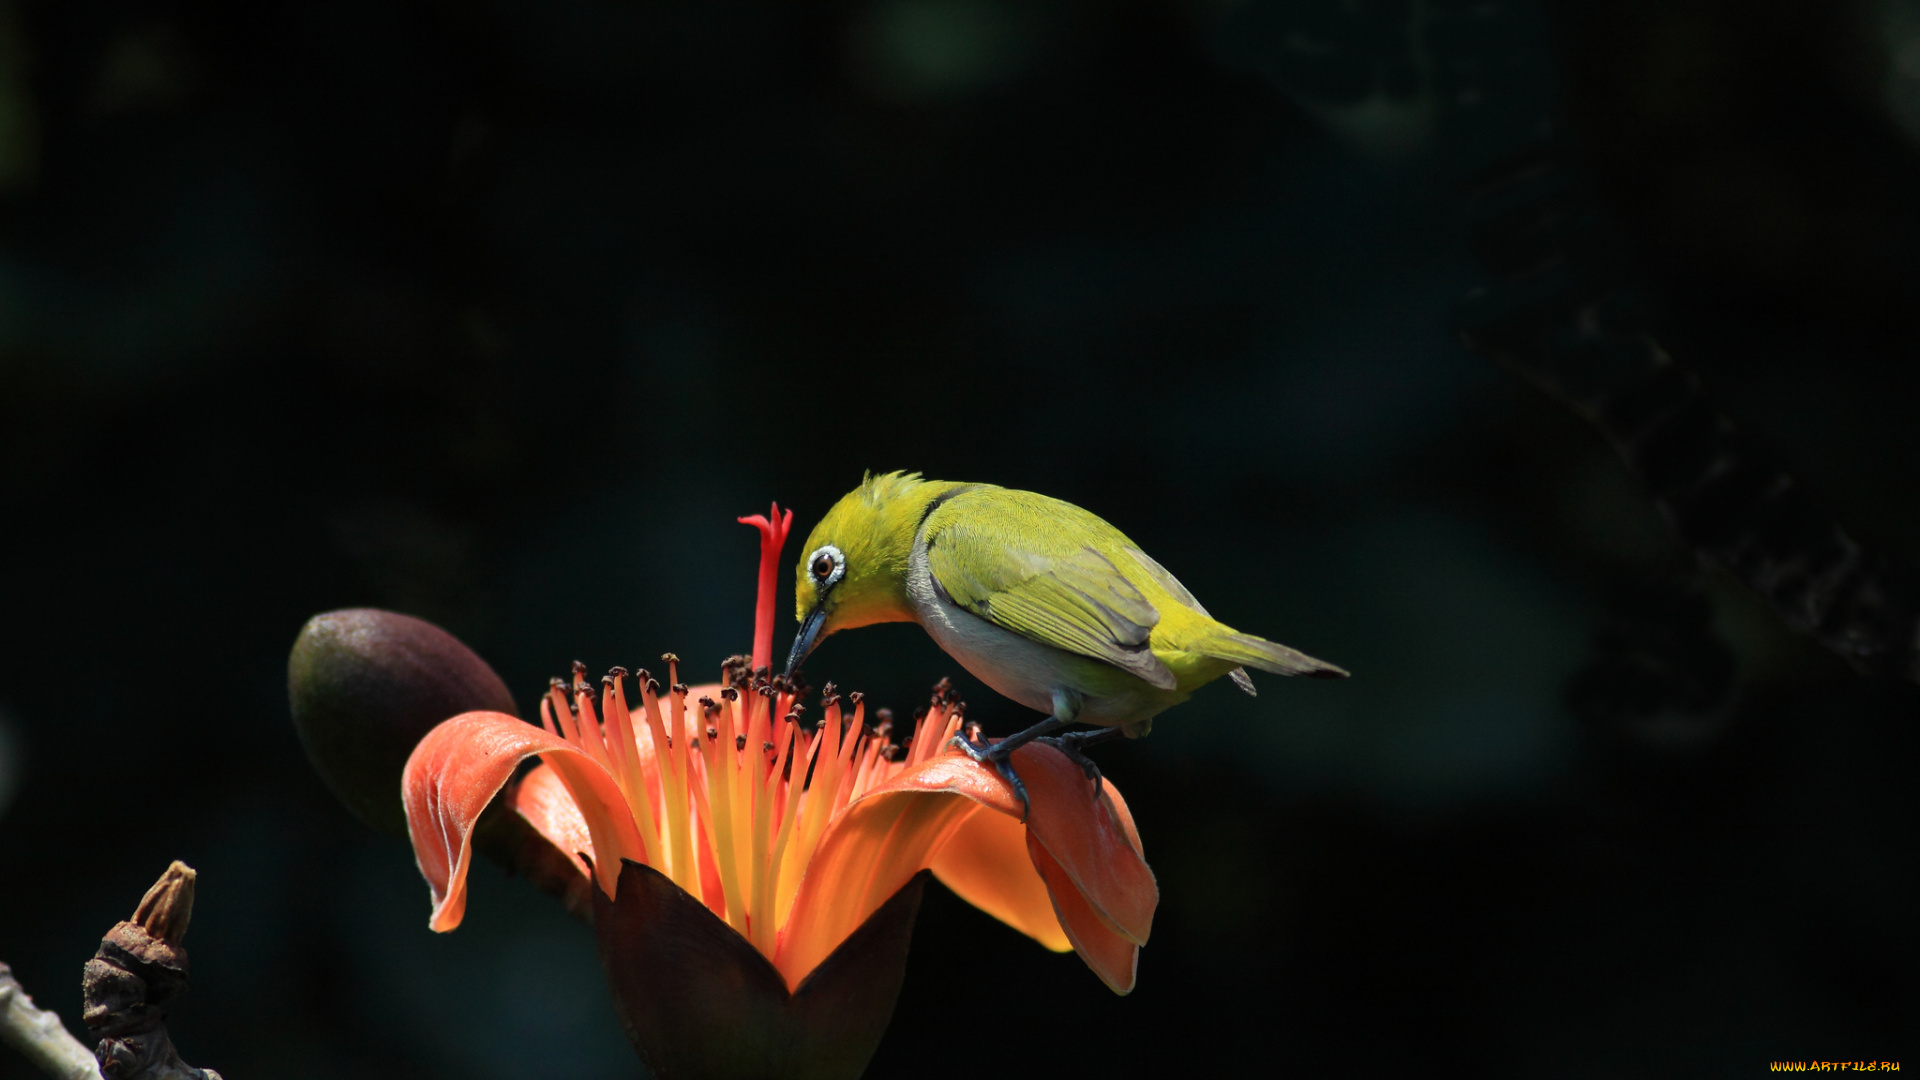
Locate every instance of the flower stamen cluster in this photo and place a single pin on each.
(731, 804)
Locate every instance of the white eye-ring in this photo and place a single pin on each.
(826, 566)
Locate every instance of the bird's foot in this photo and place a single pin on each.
(999, 755)
(1074, 746)
(991, 755)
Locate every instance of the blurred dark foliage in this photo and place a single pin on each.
(498, 314)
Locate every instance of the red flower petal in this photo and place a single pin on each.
(458, 768)
(1112, 957)
(1092, 841)
(542, 798)
(871, 849)
(985, 862)
(867, 854)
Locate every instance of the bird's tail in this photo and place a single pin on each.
(1253, 652)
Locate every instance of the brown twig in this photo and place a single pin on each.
(132, 981)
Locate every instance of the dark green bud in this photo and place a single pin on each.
(365, 685)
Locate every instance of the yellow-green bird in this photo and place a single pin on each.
(1044, 602)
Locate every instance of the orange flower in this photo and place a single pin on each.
(794, 838)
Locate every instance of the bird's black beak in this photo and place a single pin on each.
(808, 637)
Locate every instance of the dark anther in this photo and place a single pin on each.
(827, 690)
(896, 753)
(653, 686)
(680, 688)
(919, 714)
(730, 693)
(618, 672)
(830, 701)
(796, 710)
(642, 675)
(669, 742)
(793, 718)
(739, 742)
(708, 705)
(856, 697)
(713, 733)
(557, 683)
(669, 658)
(766, 747)
(579, 669)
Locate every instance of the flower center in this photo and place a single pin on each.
(731, 802)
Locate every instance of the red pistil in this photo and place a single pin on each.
(773, 536)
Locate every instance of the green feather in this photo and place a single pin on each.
(1028, 564)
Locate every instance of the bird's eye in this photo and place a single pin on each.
(827, 566)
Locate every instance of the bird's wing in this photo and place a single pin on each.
(1031, 569)
(1179, 592)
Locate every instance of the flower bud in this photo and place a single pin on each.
(365, 685)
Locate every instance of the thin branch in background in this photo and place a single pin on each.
(39, 1036)
(1562, 314)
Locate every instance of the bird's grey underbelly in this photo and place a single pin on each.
(1015, 667)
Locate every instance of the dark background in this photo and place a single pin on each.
(499, 313)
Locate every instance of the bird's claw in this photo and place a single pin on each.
(1002, 763)
(1070, 746)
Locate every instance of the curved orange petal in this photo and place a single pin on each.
(1118, 807)
(1111, 956)
(1091, 840)
(893, 832)
(985, 861)
(866, 855)
(457, 770)
(960, 775)
(542, 799)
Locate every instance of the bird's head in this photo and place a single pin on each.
(853, 567)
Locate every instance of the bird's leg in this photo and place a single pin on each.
(1066, 704)
(1000, 755)
(1074, 745)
